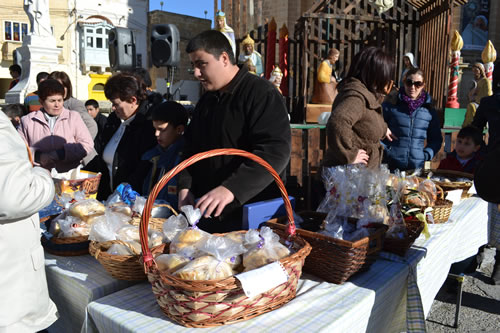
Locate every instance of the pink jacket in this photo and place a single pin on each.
(69, 133)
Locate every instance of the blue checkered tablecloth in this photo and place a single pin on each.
(73, 283)
(395, 295)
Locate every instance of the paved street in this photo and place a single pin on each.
(480, 311)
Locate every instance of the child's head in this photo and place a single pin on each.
(469, 141)
(14, 112)
(92, 107)
(169, 119)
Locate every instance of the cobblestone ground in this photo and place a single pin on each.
(480, 311)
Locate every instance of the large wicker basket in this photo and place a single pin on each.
(123, 267)
(454, 184)
(332, 259)
(219, 302)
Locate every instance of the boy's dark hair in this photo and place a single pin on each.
(170, 112)
(41, 76)
(50, 87)
(213, 42)
(374, 68)
(15, 68)
(473, 133)
(65, 80)
(92, 102)
(14, 110)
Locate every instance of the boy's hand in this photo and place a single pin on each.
(215, 200)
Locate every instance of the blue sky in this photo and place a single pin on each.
(194, 8)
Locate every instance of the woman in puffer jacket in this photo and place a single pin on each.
(415, 124)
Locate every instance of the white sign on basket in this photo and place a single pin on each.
(455, 196)
(262, 279)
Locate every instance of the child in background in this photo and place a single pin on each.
(169, 120)
(465, 157)
(14, 112)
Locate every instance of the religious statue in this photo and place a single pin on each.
(276, 76)
(248, 52)
(221, 25)
(325, 86)
(38, 14)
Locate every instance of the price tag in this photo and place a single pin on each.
(262, 279)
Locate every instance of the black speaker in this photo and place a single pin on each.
(165, 45)
(121, 42)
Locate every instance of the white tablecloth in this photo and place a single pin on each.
(393, 296)
(73, 283)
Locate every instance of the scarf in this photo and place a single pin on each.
(413, 104)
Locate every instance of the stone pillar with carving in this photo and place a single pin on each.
(39, 52)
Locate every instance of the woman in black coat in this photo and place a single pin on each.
(126, 136)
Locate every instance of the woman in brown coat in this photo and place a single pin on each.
(356, 124)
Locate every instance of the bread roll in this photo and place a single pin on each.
(86, 209)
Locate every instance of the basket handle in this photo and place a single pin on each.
(143, 229)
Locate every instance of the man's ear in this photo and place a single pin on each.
(180, 129)
(225, 58)
(476, 148)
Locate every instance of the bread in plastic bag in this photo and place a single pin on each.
(173, 225)
(267, 250)
(123, 250)
(171, 262)
(205, 268)
(86, 209)
(223, 249)
(106, 226)
(72, 227)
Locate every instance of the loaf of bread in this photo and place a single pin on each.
(205, 268)
(86, 209)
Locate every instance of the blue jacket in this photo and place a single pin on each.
(409, 151)
(162, 160)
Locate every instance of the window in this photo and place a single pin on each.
(96, 37)
(15, 31)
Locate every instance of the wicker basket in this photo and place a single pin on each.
(88, 185)
(441, 209)
(66, 247)
(219, 302)
(126, 267)
(453, 185)
(332, 259)
(400, 246)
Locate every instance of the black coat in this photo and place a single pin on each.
(249, 115)
(127, 167)
(488, 112)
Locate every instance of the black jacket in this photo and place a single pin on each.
(128, 167)
(488, 112)
(249, 115)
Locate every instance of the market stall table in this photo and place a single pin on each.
(73, 283)
(393, 296)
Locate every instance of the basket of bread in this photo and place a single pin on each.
(450, 180)
(114, 236)
(205, 280)
(428, 196)
(346, 233)
(68, 233)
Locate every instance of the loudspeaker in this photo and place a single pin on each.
(121, 42)
(165, 45)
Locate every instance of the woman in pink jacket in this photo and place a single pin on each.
(57, 137)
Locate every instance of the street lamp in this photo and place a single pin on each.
(161, 5)
(206, 14)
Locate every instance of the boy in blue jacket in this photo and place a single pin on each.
(169, 120)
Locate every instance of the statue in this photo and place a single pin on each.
(221, 25)
(276, 76)
(38, 14)
(325, 86)
(248, 52)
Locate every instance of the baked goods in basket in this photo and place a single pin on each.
(87, 208)
(205, 268)
(171, 262)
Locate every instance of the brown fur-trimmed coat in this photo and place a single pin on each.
(356, 122)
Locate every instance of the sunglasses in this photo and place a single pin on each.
(417, 84)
